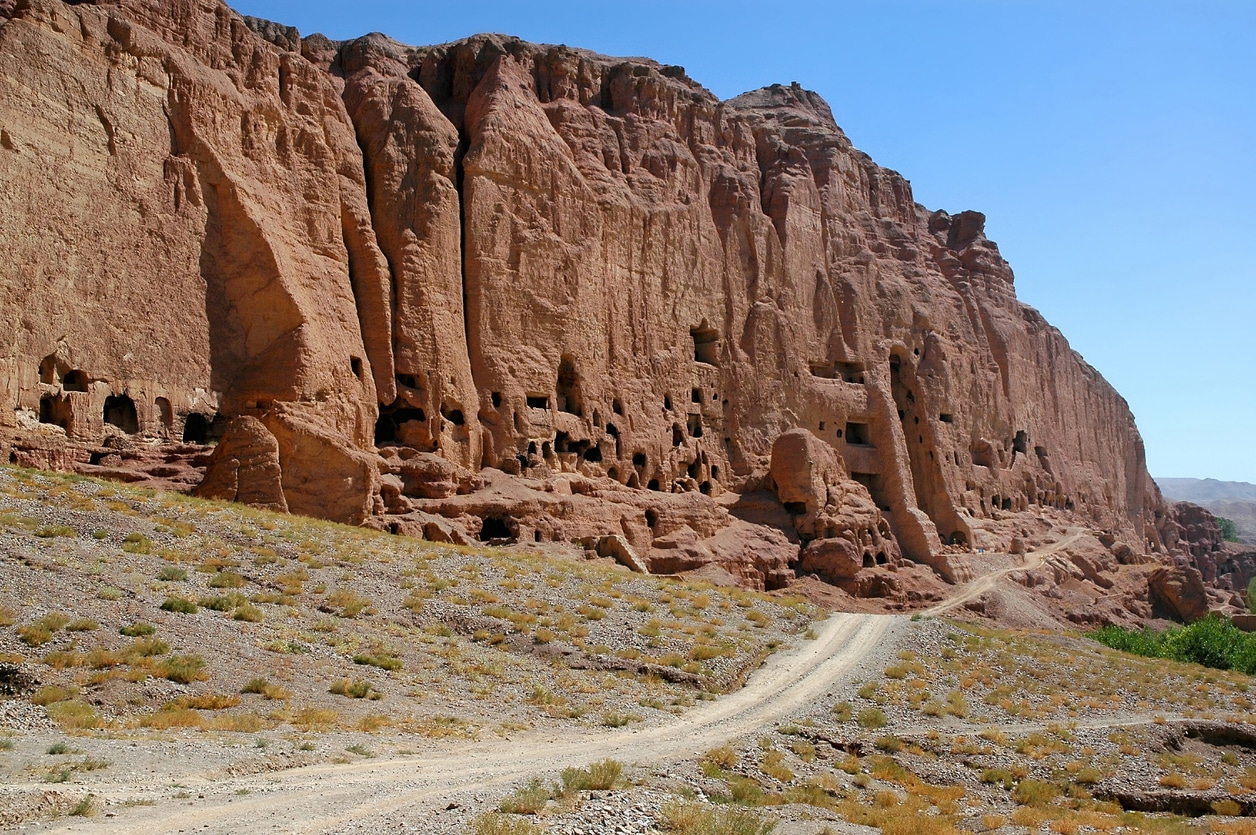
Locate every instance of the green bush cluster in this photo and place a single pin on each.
(1213, 641)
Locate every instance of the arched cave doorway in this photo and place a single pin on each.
(120, 412)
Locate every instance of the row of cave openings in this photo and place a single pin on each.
(568, 397)
(564, 447)
(119, 410)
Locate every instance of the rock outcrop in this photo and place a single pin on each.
(597, 298)
(1178, 593)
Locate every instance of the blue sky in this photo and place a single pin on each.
(1111, 144)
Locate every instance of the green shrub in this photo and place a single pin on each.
(355, 689)
(85, 808)
(183, 669)
(137, 543)
(179, 604)
(526, 800)
(871, 717)
(384, 662)
(599, 776)
(138, 630)
(248, 612)
(171, 574)
(1146, 642)
(145, 647)
(1229, 531)
(1035, 792)
(1213, 641)
(226, 580)
(889, 744)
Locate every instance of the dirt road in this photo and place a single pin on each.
(986, 582)
(341, 797)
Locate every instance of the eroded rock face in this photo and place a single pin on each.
(585, 272)
(842, 529)
(244, 467)
(1177, 592)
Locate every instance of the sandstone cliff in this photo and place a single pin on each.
(504, 291)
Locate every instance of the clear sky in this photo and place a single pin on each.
(1111, 144)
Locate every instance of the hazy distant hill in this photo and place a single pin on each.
(1201, 490)
(1235, 500)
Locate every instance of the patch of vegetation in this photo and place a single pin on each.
(381, 660)
(137, 543)
(598, 776)
(355, 689)
(688, 818)
(1213, 641)
(526, 800)
(495, 823)
(179, 604)
(1229, 531)
(183, 669)
(265, 689)
(871, 718)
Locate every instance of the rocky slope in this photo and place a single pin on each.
(500, 291)
(1235, 500)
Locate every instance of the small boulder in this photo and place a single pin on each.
(616, 546)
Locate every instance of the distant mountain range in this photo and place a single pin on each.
(1235, 500)
(1200, 490)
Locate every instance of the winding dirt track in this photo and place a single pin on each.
(329, 798)
(986, 582)
(339, 797)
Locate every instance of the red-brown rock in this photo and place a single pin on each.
(595, 295)
(1178, 592)
(244, 467)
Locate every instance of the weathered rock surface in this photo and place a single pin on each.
(244, 467)
(597, 298)
(1178, 592)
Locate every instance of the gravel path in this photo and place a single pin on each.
(434, 793)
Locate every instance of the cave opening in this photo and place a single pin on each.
(495, 529)
(77, 380)
(857, 434)
(120, 412)
(706, 343)
(453, 414)
(195, 428)
(568, 387)
(390, 420)
(55, 411)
